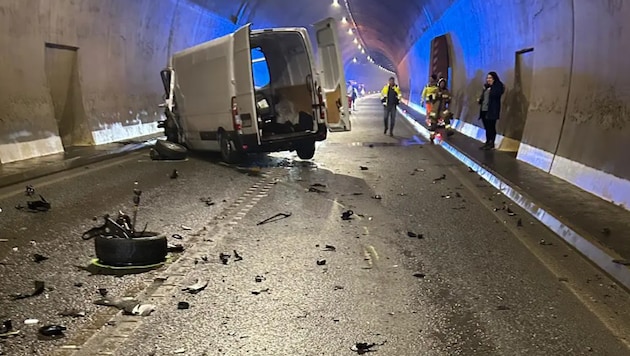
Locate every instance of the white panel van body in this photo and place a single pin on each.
(256, 91)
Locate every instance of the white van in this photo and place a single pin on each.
(256, 91)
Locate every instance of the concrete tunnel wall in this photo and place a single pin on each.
(572, 117)
(114, 85)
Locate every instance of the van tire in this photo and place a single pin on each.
(228, 153)
(306, 150)
(149, 249)
(170, 150)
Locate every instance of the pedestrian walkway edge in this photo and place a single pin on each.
(597, 255)
(65, 165)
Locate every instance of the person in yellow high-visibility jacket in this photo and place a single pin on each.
(390, 97)
(429, 94)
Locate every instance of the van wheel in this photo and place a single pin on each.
(170, 150)
(148, 249)
(228, 151)
(306, 150)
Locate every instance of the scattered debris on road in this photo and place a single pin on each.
(183, 305)
(52, 330)
(197, 287)
(103, 292)
(276, 217)
(545, 243)
(363, 168)
(208, 201)
(256, 292)
(510, 212)
(39, 258)
(316, 190)
(259, 279)
(39, 289)
(330, 248)
(41, 205)
(443, 177)
(321, 262)
(377, 197)
(503, 307)
(74, 313)
(224, 258)
(186, 228)
(174, 174)
(414, 235)
(30, 191)
(237, 257)
(177, 236)
(419, 275)
(6, 329)
(31, 321)
(347, 215)
(364, 347)
(519, 223)
(175, 248)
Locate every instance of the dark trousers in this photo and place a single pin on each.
(491, 128)
(390, 115)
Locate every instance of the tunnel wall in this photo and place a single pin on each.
(572, 118)
(119, 48)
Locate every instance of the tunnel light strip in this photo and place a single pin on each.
(596, 254)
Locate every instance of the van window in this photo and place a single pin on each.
(260, 69)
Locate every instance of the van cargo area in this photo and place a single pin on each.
(282, 80)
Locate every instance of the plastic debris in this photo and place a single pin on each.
(39, 258)
(275, 218)
(52, 330)
(39, 289)
(197, 287)
(31, 321)
(187, 228)
(143, 309)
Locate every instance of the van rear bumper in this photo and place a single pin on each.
(249, 143)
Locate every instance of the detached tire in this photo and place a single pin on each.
(170, 150)
(147, 250)
(306, 151)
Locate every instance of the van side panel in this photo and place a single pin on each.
(244, 81)
(203, 92)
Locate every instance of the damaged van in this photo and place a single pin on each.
(256, 91)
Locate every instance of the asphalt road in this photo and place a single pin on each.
(476, 283)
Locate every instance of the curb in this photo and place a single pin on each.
(65, 165)
(597, 255)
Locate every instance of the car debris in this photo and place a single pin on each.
(321, 262)
(39, 289)
(208, 201)
(177, 236)
(224, 258)
(363, 168)
(175, 248)
(442, 177)
(74, 313)
(237, 257)
(197, 287)
(6, 329)
(414, 235)
(316, 190)
(186, 228)
(29, 191)
(419, 275)
(544, 243)
(256, 292)
(275, 218)
(103, 292)
(510, 212)
(338, 288)
(377, 197)
(31, 321)
(347, 215)
(503, 307)
(364, 347)
(143, 309)
(41, 205)
(174, 174)
(52, 330)
(318, 185)
(129, 306)
(183, 305)
(330, 248)
(519, 223)
(39, 258)
(259, 279)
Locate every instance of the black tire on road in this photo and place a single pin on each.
(140, 251)
(306, 150)
(170, 150)
(228, 152)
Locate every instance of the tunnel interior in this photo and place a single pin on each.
(87, 73)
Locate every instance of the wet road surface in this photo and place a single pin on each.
(474, 281)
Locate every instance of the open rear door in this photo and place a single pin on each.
(332, 75)
(244, 81)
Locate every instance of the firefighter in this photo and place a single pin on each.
(390, 97)
(428, 94)
(440, 109)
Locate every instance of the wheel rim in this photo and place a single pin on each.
(227, 149)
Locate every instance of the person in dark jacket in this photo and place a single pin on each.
(490, 101)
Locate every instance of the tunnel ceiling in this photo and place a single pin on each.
(387, 28)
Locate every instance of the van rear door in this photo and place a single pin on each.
(244, 81)
(332, 74)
